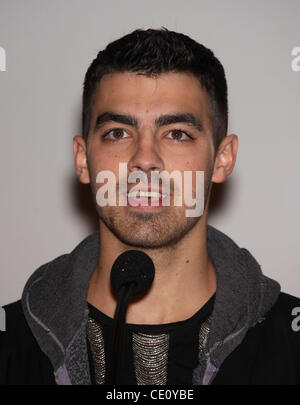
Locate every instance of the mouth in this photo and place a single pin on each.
(146, 199)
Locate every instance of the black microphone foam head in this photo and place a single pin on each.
(132, 266)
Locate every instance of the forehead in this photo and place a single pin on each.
(167, 92)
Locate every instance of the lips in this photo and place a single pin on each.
(146, 194)
(145, 197)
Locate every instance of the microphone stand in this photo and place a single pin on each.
(114, 369)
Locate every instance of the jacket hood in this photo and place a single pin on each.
(54, 302)
(243, 296)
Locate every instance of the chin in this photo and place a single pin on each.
(147, 231)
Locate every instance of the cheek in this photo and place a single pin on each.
(199, 157)
(102, 161)
(203, 161)
(191, 165)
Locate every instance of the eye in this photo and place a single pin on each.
(177, 135)
(113, 135)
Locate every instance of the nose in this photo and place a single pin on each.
(146, 157)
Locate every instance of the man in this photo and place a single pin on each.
(157, 101)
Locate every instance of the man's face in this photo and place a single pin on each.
(148, 144)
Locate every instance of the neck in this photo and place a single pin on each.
(184, 279)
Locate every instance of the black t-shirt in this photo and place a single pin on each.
(269, 353)
(153, 354)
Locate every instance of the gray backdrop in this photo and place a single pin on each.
(48, 46)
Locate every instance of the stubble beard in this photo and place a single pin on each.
(147, 230)
(150, 230)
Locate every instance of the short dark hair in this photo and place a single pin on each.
(155, 51)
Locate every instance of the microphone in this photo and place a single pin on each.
(132, 273)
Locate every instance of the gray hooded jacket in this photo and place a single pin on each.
(55, 306)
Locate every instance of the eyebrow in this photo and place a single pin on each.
(160, 121)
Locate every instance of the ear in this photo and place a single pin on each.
(225, 158)
(80, 159)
